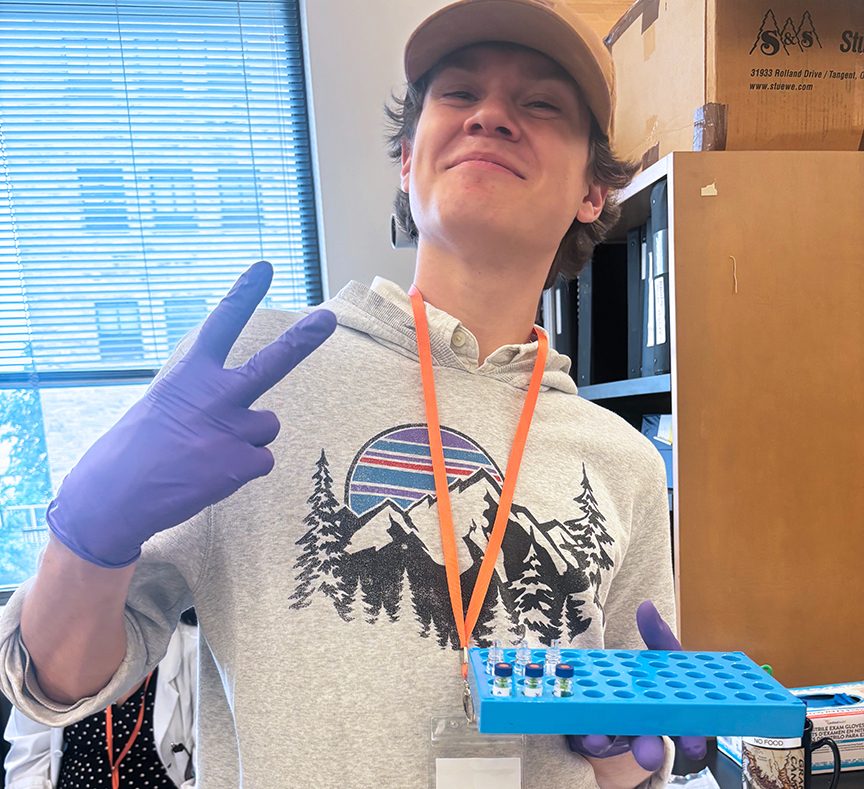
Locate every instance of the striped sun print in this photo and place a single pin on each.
(397, 465)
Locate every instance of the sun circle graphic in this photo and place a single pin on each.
(397, 465)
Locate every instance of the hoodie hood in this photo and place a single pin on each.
(383, 312)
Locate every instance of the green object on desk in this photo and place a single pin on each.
(768, 670)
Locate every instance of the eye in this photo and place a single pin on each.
(544, 105)
(460, 94)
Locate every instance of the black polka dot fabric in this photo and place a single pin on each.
(85, 749)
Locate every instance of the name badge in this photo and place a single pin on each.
(462, 758)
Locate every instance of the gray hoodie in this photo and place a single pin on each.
(327, 637)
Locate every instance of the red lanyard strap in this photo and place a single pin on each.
(109, 736)
(465, 626)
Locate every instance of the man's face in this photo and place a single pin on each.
(501, 148)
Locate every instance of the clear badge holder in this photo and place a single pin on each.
(462, 758)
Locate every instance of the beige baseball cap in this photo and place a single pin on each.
(549, 26)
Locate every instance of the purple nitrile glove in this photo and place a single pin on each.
(648, 751)
(191, 441)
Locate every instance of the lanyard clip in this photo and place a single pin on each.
(468, 703)
(467, 698)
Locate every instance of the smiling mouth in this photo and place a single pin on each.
(486, 165)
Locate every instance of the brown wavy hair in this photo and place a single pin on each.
(577, 246)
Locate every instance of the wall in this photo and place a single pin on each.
(354, 61)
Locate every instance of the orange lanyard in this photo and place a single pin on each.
(465, 626)
(109, 735)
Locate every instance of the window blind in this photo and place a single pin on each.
(149, 152)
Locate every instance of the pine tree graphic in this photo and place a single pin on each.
(533, 600)
(807, 34)
(318, 563)
(496, 619)
(572, 622)
(768, 35)
(789, 35)
(592, 537)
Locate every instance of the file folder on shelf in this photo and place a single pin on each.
(634, 303)
(584, 352)
(660, 284)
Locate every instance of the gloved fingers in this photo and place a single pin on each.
(654, 631)
(274, 361)
(223, 326)
(598, 746)
(649, 752)
(589, 744)
(693, 747)
(256, 462)
(258, 428)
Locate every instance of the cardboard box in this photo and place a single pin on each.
(843, 723)
(738, 75)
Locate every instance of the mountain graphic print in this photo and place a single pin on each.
(379, 553)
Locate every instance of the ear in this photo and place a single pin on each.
(406, 167)
(592, 203)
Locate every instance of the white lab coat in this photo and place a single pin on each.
(35, 751)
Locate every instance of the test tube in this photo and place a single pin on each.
(523, 657)
(553, 657)
(502, 685)
(533, 685)
(495, 655)
(563, 680)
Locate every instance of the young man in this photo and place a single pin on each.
(335, 589)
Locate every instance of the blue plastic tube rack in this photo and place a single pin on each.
(633, 692)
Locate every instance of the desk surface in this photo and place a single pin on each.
(728, 774)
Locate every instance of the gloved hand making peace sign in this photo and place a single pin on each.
(191, 441)
(649, 752)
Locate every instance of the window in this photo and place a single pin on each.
(183, 315)
(149, 152)
(103, 199)
(119, 328)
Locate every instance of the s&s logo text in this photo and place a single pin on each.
(772, 38)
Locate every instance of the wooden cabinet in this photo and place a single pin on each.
(767, 394)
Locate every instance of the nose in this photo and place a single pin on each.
(493, 116)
